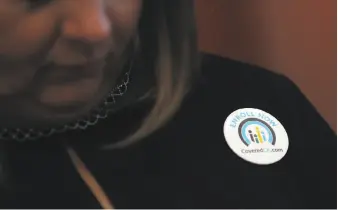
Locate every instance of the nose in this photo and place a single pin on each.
(86, 20)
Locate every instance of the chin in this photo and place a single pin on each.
(60, 111)
(46, 116)
(40, 117)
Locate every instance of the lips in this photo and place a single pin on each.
(69, 95)
(63, 86)
(58, 74)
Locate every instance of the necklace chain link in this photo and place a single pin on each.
(98, 113)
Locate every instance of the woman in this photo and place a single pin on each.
(107, 104)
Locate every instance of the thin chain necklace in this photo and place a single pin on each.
(98, 113)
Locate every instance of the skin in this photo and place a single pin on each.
(59, 59)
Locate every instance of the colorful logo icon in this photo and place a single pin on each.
(256, 131)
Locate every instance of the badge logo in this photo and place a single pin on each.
(256, 136)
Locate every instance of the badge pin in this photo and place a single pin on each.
(256, 136)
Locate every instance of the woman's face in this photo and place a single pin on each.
(53, 65)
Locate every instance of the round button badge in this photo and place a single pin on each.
(256, 136)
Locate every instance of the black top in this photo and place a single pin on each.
(187, 163)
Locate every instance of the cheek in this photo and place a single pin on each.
(124, 13)
(16, 81)
(23, 35)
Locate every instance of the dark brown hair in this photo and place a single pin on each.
(167, 29)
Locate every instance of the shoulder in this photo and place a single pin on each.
(228, 85)
(235, 85)
(192, 144)
(246, 85)
(237, 76)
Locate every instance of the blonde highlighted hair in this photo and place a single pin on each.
(167, 28)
